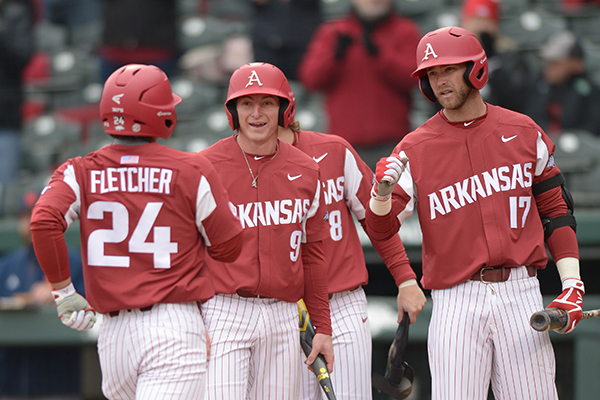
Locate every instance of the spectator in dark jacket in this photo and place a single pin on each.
(281, 31)
(139, 32)
(362, 64)
(564, 96)
(16, 48)
(509, 73)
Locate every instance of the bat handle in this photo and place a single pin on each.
(549, 319)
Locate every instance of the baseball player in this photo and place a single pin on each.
(488, 195)
(275, 189)
(346, 186)
(147, 212)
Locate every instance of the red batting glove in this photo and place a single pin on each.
(570, 300)
(387, 174)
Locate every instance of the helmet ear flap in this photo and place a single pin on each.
(426, 89)
(467, 74)
(234, 121)
(283, 106)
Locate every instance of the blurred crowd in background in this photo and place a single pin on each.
(349, 62)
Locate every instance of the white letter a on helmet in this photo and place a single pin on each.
(429, 52)
(253, 78)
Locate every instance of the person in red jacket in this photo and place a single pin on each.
(362, 64)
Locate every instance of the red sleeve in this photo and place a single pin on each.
(382, 227)
(47, 231)
(396, 58)
(316, 295)
(228, 251)
(318, 68)
(393, 254)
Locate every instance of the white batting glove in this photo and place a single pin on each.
(73, 309)
(387, 174)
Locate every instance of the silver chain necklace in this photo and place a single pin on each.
(254, 178)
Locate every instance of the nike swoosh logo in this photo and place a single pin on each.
(320, 158)
(508, 139)
(469, 123)
(259, 157)
(365, 319)
(293, 178)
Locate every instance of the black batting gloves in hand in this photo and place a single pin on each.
(570, 300)
(387, 174)
(369, 45)
(343, 43)
(73, 309)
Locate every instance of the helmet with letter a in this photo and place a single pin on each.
(260, 78)
(447, 46)
(137, 101)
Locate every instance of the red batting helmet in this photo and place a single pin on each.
(260, 78)
(137, 101)
(446, 46)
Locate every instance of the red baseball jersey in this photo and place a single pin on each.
(282, 212)
(146, 214)
(471, 183)
(346, 183)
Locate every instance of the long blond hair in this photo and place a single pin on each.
(295, 127)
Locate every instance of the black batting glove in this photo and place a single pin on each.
(369, 45)
(343, 43)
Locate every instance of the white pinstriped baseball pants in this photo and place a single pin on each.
(254, 348)
(157, 354)
(480, 332)
(352, 347)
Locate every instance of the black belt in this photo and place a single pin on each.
(250, 295)
(498, 274)
(143, 309)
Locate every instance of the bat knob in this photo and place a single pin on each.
(549, 319)
(540, 321)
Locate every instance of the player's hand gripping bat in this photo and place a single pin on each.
(397, 372)
(555, 318)
(319, 367)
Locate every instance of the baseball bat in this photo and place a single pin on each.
(555, 318)
(319, 367)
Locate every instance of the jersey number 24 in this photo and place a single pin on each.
(160, 247)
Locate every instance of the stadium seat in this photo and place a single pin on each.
(332, 9)
(587, 26)
(43, 140)
(197, 31)
(415, 8)
(15, 191)
(439, 18)
(227, 10)
(211, 121)
(196, 96)
(577, 155)
(50, 37)
(532, 28)
(311, 113)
